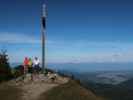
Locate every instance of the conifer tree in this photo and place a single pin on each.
(5, 70)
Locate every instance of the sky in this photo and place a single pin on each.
(77, 31)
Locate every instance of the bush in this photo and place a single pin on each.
(18, 71)
(5, 70)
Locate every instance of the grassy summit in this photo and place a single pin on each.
(8, 92)
(69, 91)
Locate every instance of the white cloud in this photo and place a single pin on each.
(74, 51)
(86, 51)
(6, 37)
(20, 38)
(93, 58)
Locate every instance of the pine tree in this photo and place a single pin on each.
(5, 70)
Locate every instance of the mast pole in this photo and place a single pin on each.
(43, 30)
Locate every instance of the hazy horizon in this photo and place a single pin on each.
(87, 67)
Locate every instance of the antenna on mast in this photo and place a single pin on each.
(43, 31)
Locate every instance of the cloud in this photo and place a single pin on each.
(93, 58)
(87, 43)
(21, 38)
(88, 51)
(6, 37)
(74, 51)
(12, 38)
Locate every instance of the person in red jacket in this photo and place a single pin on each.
(26, 63)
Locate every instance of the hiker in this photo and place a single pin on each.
(25, 66)
(36, 65)
(30, 68)
(30, 63)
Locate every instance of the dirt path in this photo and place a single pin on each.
(32, 91)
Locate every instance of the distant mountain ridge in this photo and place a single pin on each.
(122, 91)
(105, 87)
(127, 84)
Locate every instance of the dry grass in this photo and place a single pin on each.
(69, 91)
(8, 92)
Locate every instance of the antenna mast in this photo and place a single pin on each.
(43, 30)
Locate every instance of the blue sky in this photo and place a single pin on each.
(77, 30)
